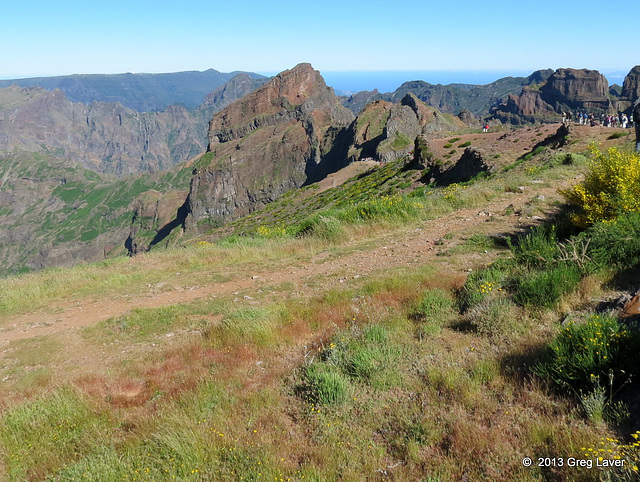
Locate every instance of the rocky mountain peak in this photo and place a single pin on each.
(565, 89)
(291, 94)
(274, 139)
(577, 85)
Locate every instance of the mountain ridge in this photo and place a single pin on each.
(142, 92)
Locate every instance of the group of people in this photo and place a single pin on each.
(592, 120)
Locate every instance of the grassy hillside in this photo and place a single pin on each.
(420, 342)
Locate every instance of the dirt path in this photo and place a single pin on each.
(411, 247)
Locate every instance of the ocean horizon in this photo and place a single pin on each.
(350, 82)
(388, 81)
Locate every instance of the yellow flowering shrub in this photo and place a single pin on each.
(611, 187)
(612, 449)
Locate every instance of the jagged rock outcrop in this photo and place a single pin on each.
(472, 163)
(467, 117)
(154, 218)
(631, 85)
(284, 134)
(103, 137)
(630, 92)
(385, 131)
(564, 90)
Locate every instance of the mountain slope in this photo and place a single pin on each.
(141, 92)
(56, 213)
(103, 137)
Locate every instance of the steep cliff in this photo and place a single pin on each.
(103, 137)
(630, 90)
(564, 90)
(284, 134)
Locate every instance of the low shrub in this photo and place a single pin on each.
(325, 385)
(482, 284)
(617, 135)
(544, 288)
(611, 187)
(538, 249)
(615, 243)
(495, 318)
(599, 351)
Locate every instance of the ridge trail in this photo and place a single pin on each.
(407, 247)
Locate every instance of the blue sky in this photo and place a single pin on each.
(68, 36)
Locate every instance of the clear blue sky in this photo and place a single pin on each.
(111, 36)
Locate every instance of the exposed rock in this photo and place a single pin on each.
(280, 136)
(471, 164)
(154, 217)
(467, 117)
(103, 137)
(236, 88)
(631, 85)
(630, 92)
(565, 90)
(385, 131)
(476, 98)
(422, 154)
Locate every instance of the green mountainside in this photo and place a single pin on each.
(57, 213)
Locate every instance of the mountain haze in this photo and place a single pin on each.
(141, 92)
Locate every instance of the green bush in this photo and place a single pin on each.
(591, 353)
(465, 144)
(615, 243)
(482, 284)
(325, 385)
(322, 226)
(544, 288)
(617, 135)
(538, 249)
(495, 318)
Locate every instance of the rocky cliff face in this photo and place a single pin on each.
(564, 90)
(631, 85)
(385, 131)
(103, 137)
(239, 86)
(630, 91)
(280, 136)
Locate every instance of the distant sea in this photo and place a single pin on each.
(348, 82)
(387, 81)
